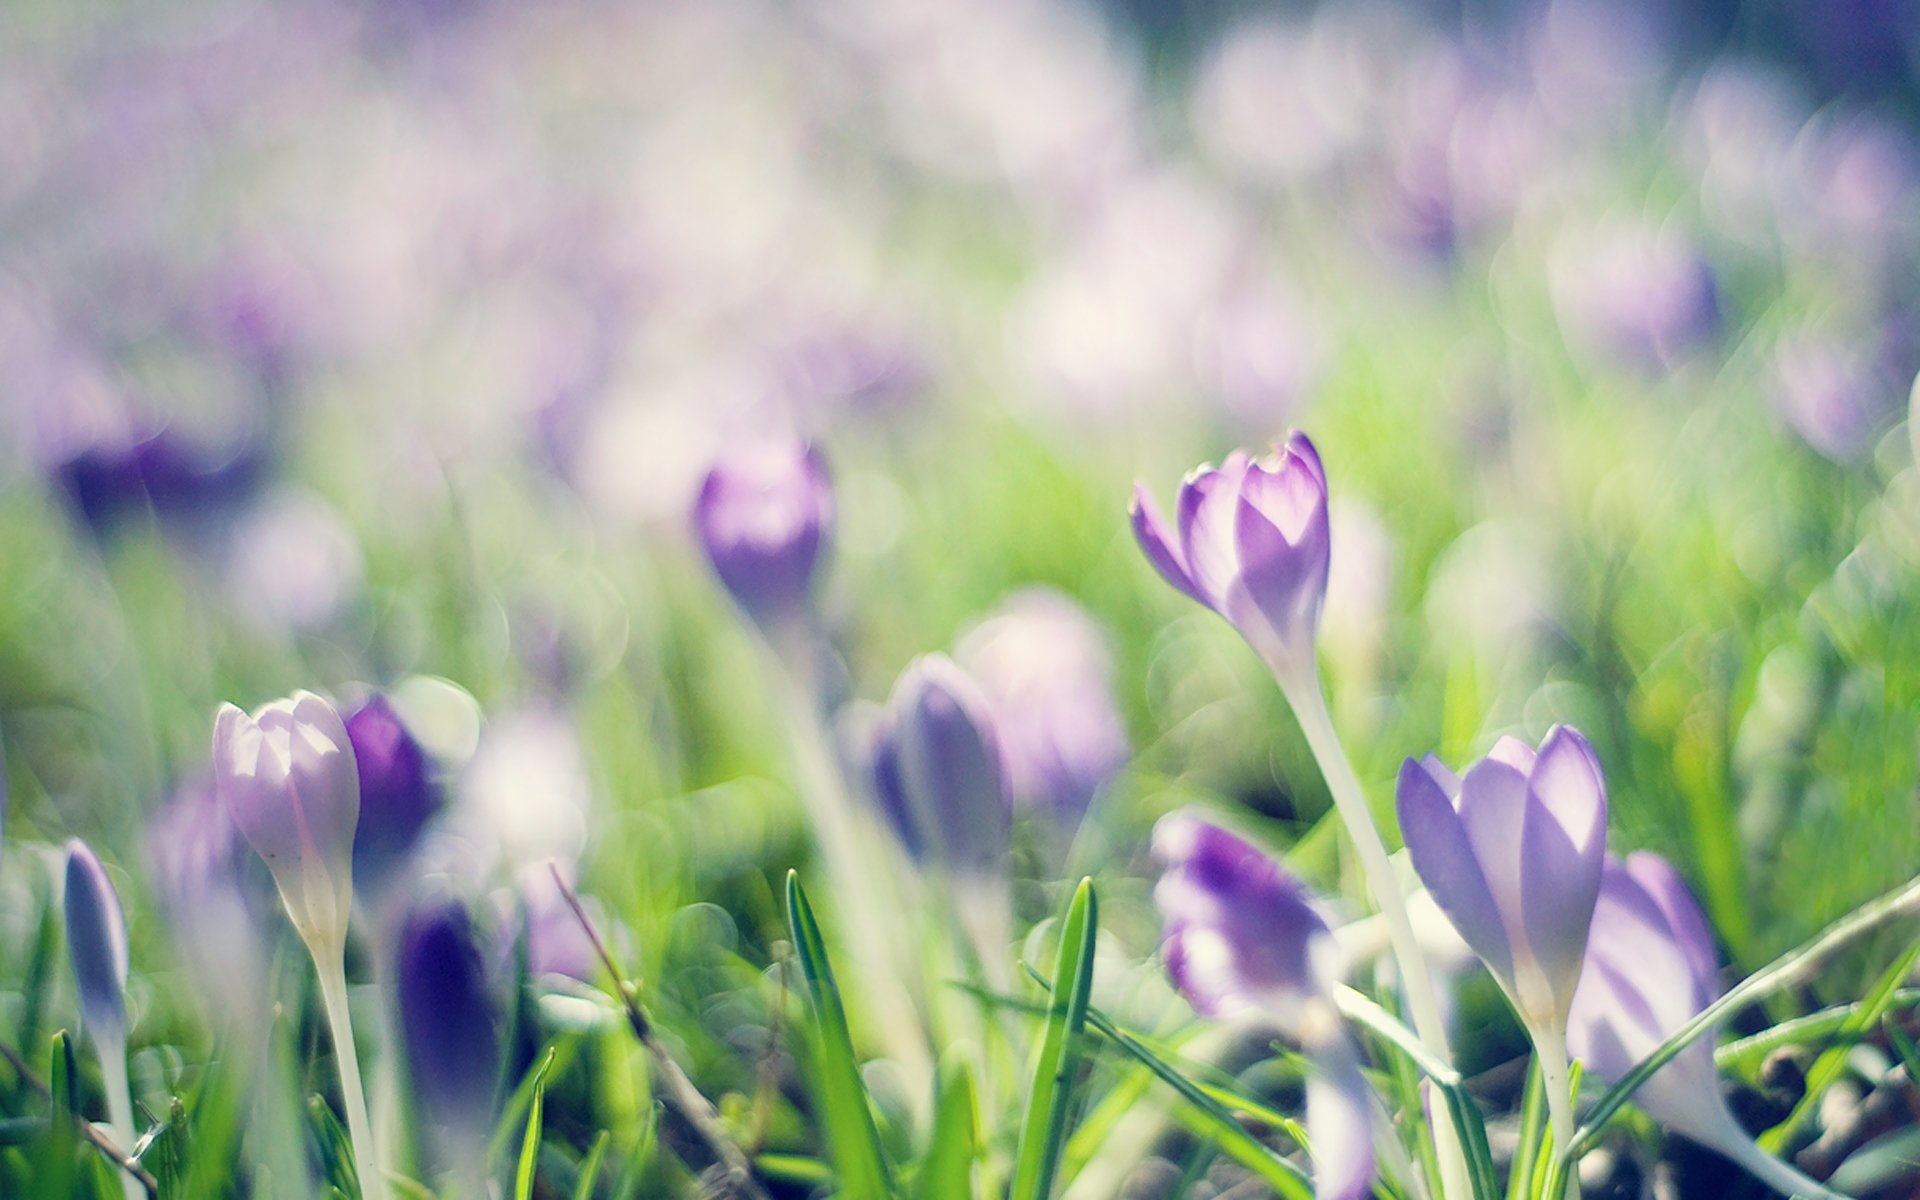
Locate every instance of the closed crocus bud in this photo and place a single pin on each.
(1250, 542)
(449, 1020)
(398, 792)
(96, 940)
(1240, 935)
(287, 778)
(1046, 669)
(1512, 854)
(1650, 969)
(938, 770)
(762, 516)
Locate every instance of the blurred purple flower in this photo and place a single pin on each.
(1047, 673)
(97, 943)
(1650, 968)
(1512, 853)
(762, 516)
(1252, 545)
(938, 770)
(1240, 935)
(448, 1019)
(287, 779)
(1635, 292)
(213, 892)
(163, 471)
(399, 792)
(1830, 395)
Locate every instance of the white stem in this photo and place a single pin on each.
(111, 1044)
(1781, 1176)
(1309, 703)
(329, 962)
(1550, 1045)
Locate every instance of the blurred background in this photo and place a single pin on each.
(350, 345)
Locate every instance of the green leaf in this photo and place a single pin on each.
(60, 1154)
(336, 1150)
(851, 1135)
(590, 1168)
(946, 1173)
(530, 1145)
(1533, 1122)
(1044, 1128)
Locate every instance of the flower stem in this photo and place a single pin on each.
(1309, 703)
(1550, 1045)
(111, 1044)
(329, 961)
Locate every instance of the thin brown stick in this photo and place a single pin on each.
(101, 1141)
(676, 1089)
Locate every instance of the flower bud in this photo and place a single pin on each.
(1241, 936)
(762, 516)
(448, 1019)
(938, 771)
(96, 941)
(287, 778)
(1512, 853)
(1252, 545)
(398, 793)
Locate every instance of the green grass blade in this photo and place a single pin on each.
(1361, 1010)
(1044, 1128)
(1533, 1120)
(851, 1135)
(60, 1153)
(946, 1173)
(336, 1150)
(1791, 968)
(530, 1146)
(590, 1168)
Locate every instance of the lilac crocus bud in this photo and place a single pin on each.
(97, 942)
(449, 1020)
(398, 792)
(1047, 671)
(1650, 969)
(762, 516)
(1512, 854)
(1240, 936)
(938, 770)
(1252, 545)
(287, 778)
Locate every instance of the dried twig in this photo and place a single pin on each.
(87, 1129)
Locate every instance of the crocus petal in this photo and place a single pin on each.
(1207, 503)
(1684, 918)
(1339, 1118)
(1437, 839)
(96, 939)
(1560, 883)
(252, 782)
(1281, 538)
(1156, 540)
(1492, 804)
(1565, 779)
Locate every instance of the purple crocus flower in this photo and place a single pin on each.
(163, 471)
(213, 893)
(1512, 854)
(1635, 292)
(1252, 545)
(1240, 935)
(938, 770)
(1046, 669)
(287, 778)
(449, 1020)
(398, 792)
(97, 941)
(1650, 968)
(762, 516)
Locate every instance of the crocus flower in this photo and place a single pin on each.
(1650, 968)
(762, 516)
(1241, 936)
(1252, 545)
(214, 895)
(287, 778)
(449, 1021)
(1047, 671)
(1512, 854)
(97, 943)
(938, 770)
(398, 791)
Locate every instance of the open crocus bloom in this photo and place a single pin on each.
(1250, 542)
(1650, 969)
(1512, 853)
(288, 779)
(1241, 936)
